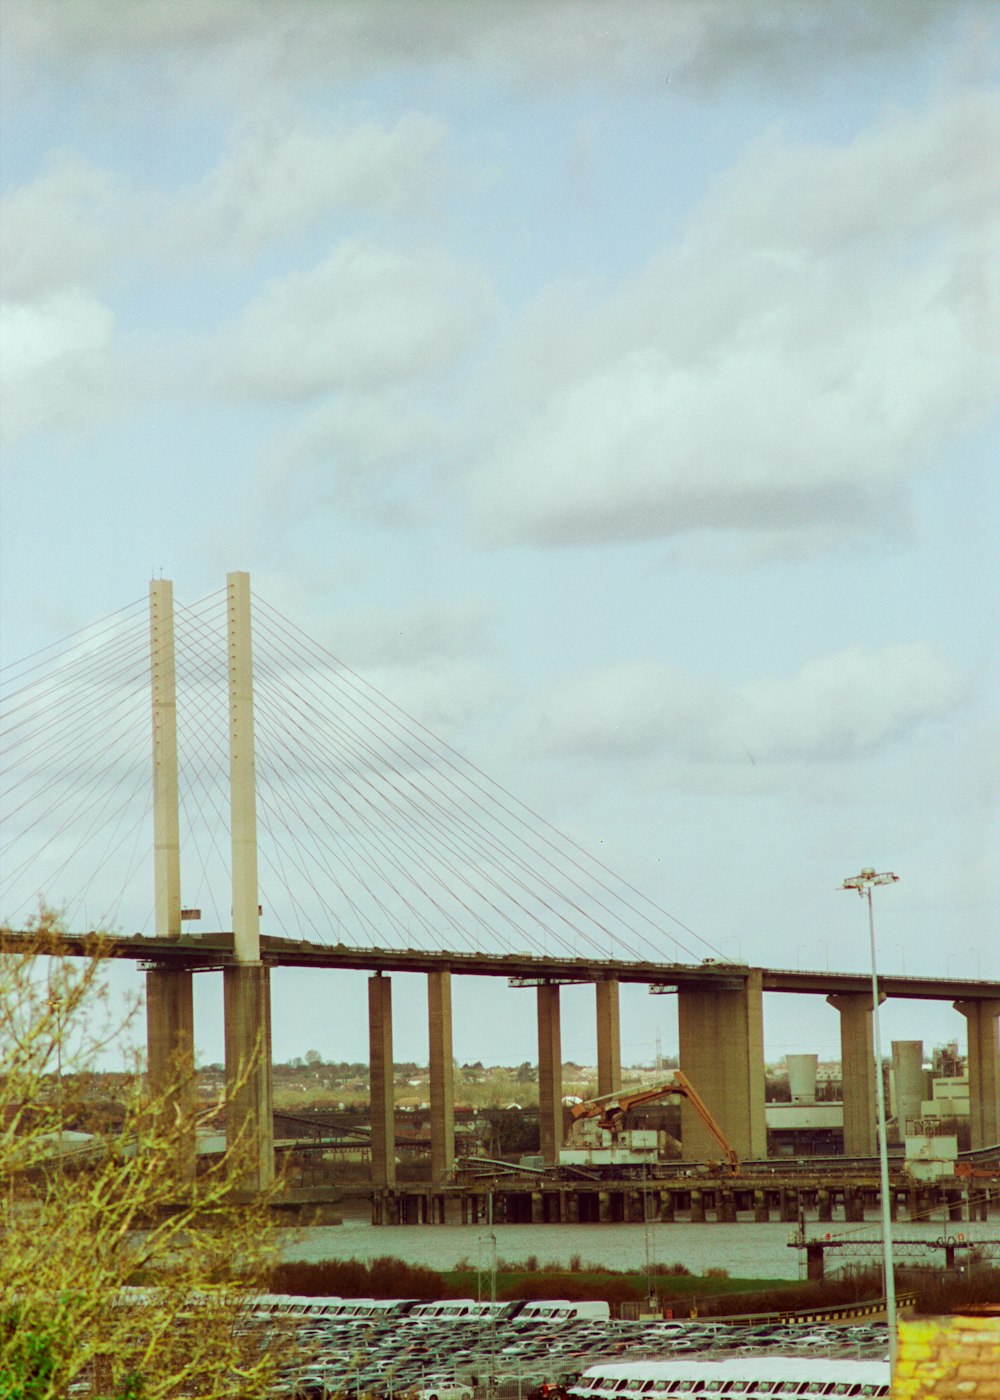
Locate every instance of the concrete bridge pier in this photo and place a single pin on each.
(854, 1204)
(381, 1086)
(955, 1202)
(983, 1029)
(442, 1075)
(249, 1088)
(722, 1053)
(609, 1051)
(170, 1048)
(550, 1114)
(814, 1261)
(789, 1208)
(169, 1026)
(857, 1057)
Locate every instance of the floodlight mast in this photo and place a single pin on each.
(863, 884)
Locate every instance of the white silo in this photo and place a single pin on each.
(802, 1077)
(908, 1080)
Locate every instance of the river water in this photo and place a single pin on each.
(744, 1249)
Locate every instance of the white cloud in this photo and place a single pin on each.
(366, 317)
(847, 704)
(357, 452)
(75, 220)
(423, 632)
(842, 706)
(55, 363)
(445, 695)
(788, 365)
(935, 169)
(277, 181)
(60, 228)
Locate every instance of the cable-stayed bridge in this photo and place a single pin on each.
(371, 831)
(304, 819)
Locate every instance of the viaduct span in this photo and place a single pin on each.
(719, 1004)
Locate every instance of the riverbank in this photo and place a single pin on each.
(677, 1290)
(677, 1293)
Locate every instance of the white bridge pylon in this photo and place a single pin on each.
(246, 986)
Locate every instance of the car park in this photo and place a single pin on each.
(386, 1353)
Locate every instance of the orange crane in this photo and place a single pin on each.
(610, 1110)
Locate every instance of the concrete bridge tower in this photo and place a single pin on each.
(246, 986)
(169, 990)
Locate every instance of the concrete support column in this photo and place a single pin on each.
(170, 1053)
(383, 1101)
(249, 1092)
(169, 1029)
(722, 1053)
(789, 1204)
(609, 1039)
(854, 1204)
(984, 1069)
(550, 1115)
(857, 1067)
(442, 1075)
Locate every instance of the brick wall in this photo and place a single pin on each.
(948, 1358)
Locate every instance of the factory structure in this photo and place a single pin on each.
(924, 1099)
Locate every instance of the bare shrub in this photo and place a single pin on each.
(79, 1228)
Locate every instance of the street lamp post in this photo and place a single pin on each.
(863, 884)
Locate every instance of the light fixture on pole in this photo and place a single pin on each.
(863, 884)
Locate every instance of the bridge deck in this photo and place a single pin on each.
(215, 950)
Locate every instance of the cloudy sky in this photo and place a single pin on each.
(613, 385)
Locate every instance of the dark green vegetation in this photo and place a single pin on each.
(28, 1365)
(353, 1278)
(387, 1277)
(711, 1295)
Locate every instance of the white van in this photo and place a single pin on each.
(562, 1310)
(444, 1310)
